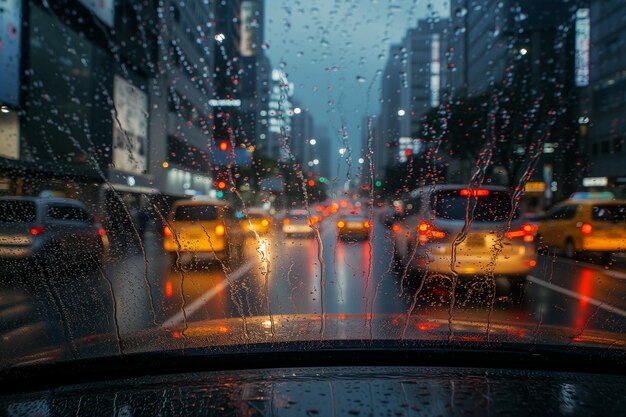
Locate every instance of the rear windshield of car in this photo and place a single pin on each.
(609, 212)
(15, 211)
(494, 206)
(195, 213)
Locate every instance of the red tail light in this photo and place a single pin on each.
(426, 231)
(167, 231)
(286, 221)
(102, 232)
(36, 231)
(526, 232)
(366, 224)
(466, 192)
(586, 229)
(220, 230)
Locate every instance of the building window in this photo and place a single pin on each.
(618, 145)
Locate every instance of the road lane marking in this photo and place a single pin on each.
(207, 296)
(600, 304)
(611, 273)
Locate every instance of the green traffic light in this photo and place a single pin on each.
(378, 183)
(322, 179)
(220, 194)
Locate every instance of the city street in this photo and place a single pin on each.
(280, 275)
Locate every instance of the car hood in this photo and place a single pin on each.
(307, 332)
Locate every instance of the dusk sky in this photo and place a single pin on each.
(332, 50)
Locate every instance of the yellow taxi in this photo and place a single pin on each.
(257, 220)
(582, 225)
(203, 230)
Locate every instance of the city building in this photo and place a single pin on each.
(424, 46)
(70, 75)
(385, 129)
(608, 84)
(522, 50)
(279, 125)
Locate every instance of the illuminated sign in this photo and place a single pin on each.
(595, 182)
(581, 63)
(535, 187)
(249, 28)
(224, 103)
(130, 127)
(10, 40)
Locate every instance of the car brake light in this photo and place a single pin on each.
(526, 231)
(341, 224)
(286, 221)
(35, 231)
(167, 231)
(466, 192)
(366, 224)
(102, 232)
(586, 229)
(265, 223)
(220, 230)
(426, 231)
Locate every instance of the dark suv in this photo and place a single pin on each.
(50, 230)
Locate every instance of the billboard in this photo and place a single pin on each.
(249, 28)
(581, 63)
(102, 9)
(130, 127)
(10, 39)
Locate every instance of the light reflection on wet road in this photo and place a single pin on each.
(39, 309)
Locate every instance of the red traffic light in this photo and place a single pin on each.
(224, 146)
(221, 185)
(311, 183)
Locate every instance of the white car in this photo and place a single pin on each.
(298, 222)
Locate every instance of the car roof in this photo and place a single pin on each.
(298, 212)
(256, 210)
(200, 202)
(447, 187)
(41, 200)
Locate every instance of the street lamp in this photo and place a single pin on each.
(297, 110)
(312, 141)
(342, 151)
(401, 112)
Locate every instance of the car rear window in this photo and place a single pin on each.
(609, 212)
(15, 211)
(193, 213)
(487, 206)
(67, 212)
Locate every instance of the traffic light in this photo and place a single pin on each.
(220, 194)
(378, 183)
(221, 185)
(322, 179)
(311, 183)
(224, 145)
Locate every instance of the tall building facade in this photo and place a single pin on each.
(608, 92)
(425, 47)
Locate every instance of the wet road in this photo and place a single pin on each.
(281, 275)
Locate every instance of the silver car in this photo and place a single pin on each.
(497, 241)
(51, 230)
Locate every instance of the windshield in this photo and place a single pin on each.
(228, 174)
(195, 213)
(493, 206)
